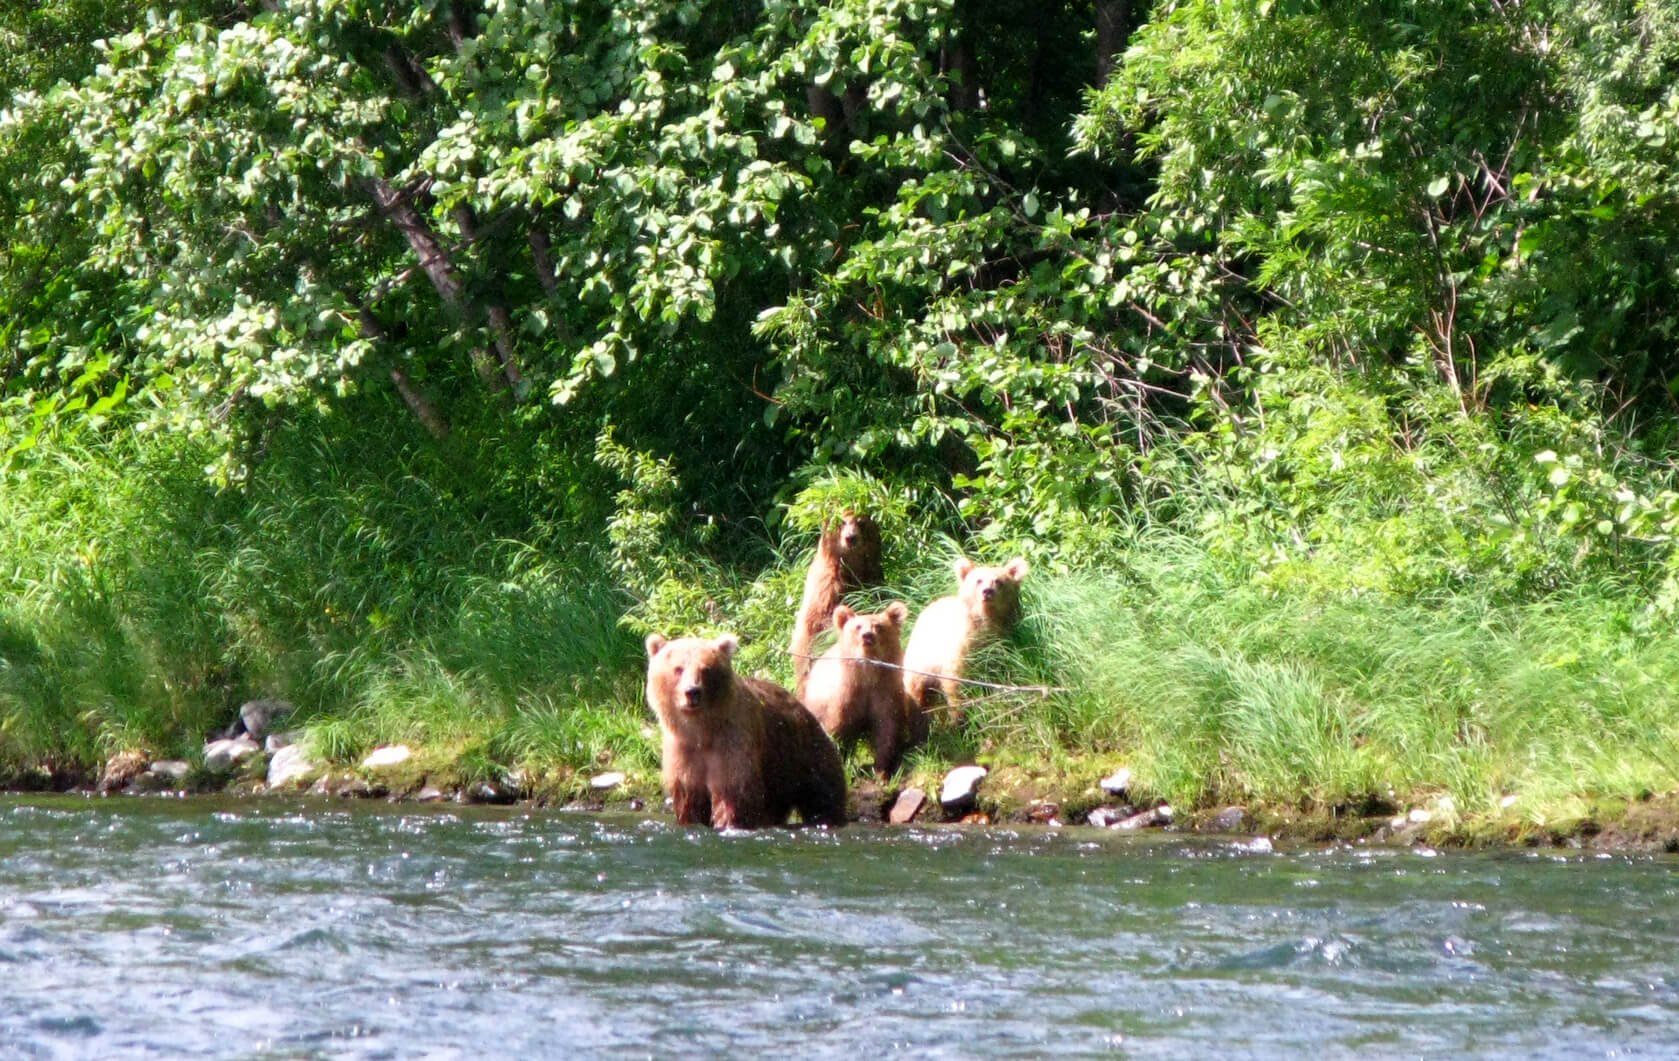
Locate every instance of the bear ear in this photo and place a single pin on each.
(842, 615)
(726, 646)
(897, 612)
(962, 566)
(1017, 568)
(654, 643)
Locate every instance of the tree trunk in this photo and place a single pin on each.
(417, 402)
(1113, 29)
(397, 207)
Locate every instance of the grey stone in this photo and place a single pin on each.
(1118, 782)
(387, 755)
(275, 741)
(220, 756)
(258, 715)
(1107, 817)
(429, 794)
(1228, 820)
(906, 806)
(173, 769)
(290, 764)
(1154, 816)
(607, 781)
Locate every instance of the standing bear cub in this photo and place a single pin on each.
(737, 752)
(985, 603)
(847, 558)
(852, 696)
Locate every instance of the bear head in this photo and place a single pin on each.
(877, 635)
(690, 674)
(992, 593)
(855, 542)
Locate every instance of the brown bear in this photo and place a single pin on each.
(851, 696)
(737, 752)
(985, 603)
(847, 559)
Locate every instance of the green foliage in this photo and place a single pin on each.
(410, 359)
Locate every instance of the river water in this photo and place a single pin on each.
(163, 928)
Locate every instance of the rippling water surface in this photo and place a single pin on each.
(134, 928)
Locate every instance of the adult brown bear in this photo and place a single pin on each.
(847, 559)
(737, 752)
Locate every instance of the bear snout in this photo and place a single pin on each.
(692, 695)
(868, 639)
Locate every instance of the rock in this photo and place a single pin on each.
(1107, 817)
(907, 806)
(606, 782)
(258, 715)
(976, 818)
(220, 756)
(275, 741)
(387, 755)
(961, 787)
(172, 769)
(1228, 820)
(1420, 816)
(1118, 782)
(1161, 815)
(1043, 812)
(147, 782)
(489, 792)
(429, 794)
(289, 765)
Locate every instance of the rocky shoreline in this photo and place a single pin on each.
(257, 764)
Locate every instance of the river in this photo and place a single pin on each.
(167, 928)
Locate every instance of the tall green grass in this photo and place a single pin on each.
(141, 604)
(1213, 689)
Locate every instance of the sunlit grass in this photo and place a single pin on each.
(142, 605)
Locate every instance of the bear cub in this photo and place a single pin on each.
(737, 752)
(847, 559)
(986, 602)
(851, 696)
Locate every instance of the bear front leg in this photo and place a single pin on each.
(738, 809)
(888, 740)
(692, 803)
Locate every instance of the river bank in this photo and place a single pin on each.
(1004, 795)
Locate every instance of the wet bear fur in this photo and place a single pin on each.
(847, 558)
(737, 752)
(986, 602)
(852, 697)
